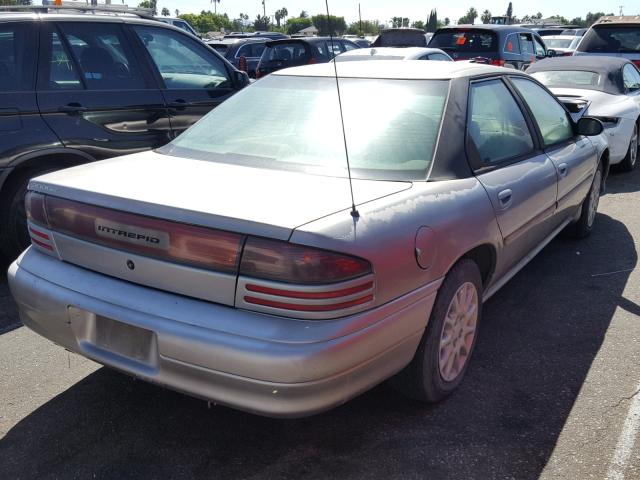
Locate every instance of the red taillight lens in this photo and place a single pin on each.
(312, 60)
(34, 205)
(284, 262)
(636, 62)
(166, 240)
(497, 63)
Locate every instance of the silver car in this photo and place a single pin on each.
(233, 265)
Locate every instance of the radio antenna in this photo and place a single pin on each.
(354, 211)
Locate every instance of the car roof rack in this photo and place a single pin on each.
(64, 8)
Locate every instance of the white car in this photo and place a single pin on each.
(610, 89)
(394, 53)
(563, 45)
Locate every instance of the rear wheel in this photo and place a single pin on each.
(443, 355)
(629, 161)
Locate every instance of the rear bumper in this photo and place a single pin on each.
(251, 361)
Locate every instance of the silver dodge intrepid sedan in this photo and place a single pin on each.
(230, 264)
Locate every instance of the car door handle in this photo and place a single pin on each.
(180, 104)
(72, 108)
(505, 197)
(563, 169)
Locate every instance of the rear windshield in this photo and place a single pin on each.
(286, 52)
(465, 40)
(293, 123)
(557, 42)
(569, 79)
(401, 39)
(611, 39)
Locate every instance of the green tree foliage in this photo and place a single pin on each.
(399, 22)
(510, 11)
(486, 16)
(281, 15)
(469, 17)
(262, 23)
(303, 14)
(432, 21)
(207, 21)
(418, 24)
(369, 27)
(295, 24)
(447, 21)
(151, 5)
(165, 12)
(329, 25)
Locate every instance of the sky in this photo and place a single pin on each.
(384, 10)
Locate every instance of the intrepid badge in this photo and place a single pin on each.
(128, 233)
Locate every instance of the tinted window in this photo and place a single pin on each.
(182, 62)
(611, 39)
(540, 51)
(309, 136)
(349, 46)
(526, 44)
(251, 50)
(465, 40)
(569, 78)
(287, 52)
(104, 56)
(631, 78)
(13, 56)
(512, 45)
(496, 124)
(551, 117)
(62, 71)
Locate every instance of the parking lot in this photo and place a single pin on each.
(550, 394)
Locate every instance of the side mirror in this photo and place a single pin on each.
(551, 53)
(242, 78)
(590, 126)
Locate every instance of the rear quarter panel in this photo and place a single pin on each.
(458, 212)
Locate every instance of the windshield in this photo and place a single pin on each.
(557, 42)
(569, 79)
(465, 40)
(611, 39)
(293, 123)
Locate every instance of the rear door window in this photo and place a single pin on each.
(465, 40)
(631, 78)
(511, 45)
(62, 72)
(496, 124)
(16, 61)
(183, 62)
(539, 48)
(526, 44)
(103, 55)
(287, 52)
(611, 39)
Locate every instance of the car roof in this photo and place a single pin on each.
(486, 26)
(409, 70)
(81, 17)
(395, 51)
(617, 20)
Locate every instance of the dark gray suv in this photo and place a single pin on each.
(80, 87)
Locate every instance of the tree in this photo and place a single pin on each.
(419, 24)
(281, 14)
(151, 5)
(215, 6)
(261, 23)
(295, 24)
(486, 16)
(510, 12)
(177, 12)
(303, 14)
(470, 16)
(399, 22)
(432, 21)
(165, 12)
(369, 27)
(331, 25)
(447, 21)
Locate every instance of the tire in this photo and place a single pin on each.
(14, 237)
(429, 378)
(630, 159)
(583, 227)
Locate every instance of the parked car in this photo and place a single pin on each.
(180, 23)
(578, 32)
(245, 54)
(563, 45)
(613, 36)
(75, 88)
(610, 87)
(401, 37)
(294, 52)
(220, 266)
(222, 45)
(500, 45)
(362, 42)
(394, 53)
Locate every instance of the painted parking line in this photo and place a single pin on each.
(626, 440)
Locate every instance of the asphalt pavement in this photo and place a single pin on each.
(552, 393)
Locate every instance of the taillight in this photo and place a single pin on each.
(34, 205)
(636, 62)
(286, 262)
(38, 224)
(303, 282)
(312, 60)
(497, 63)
